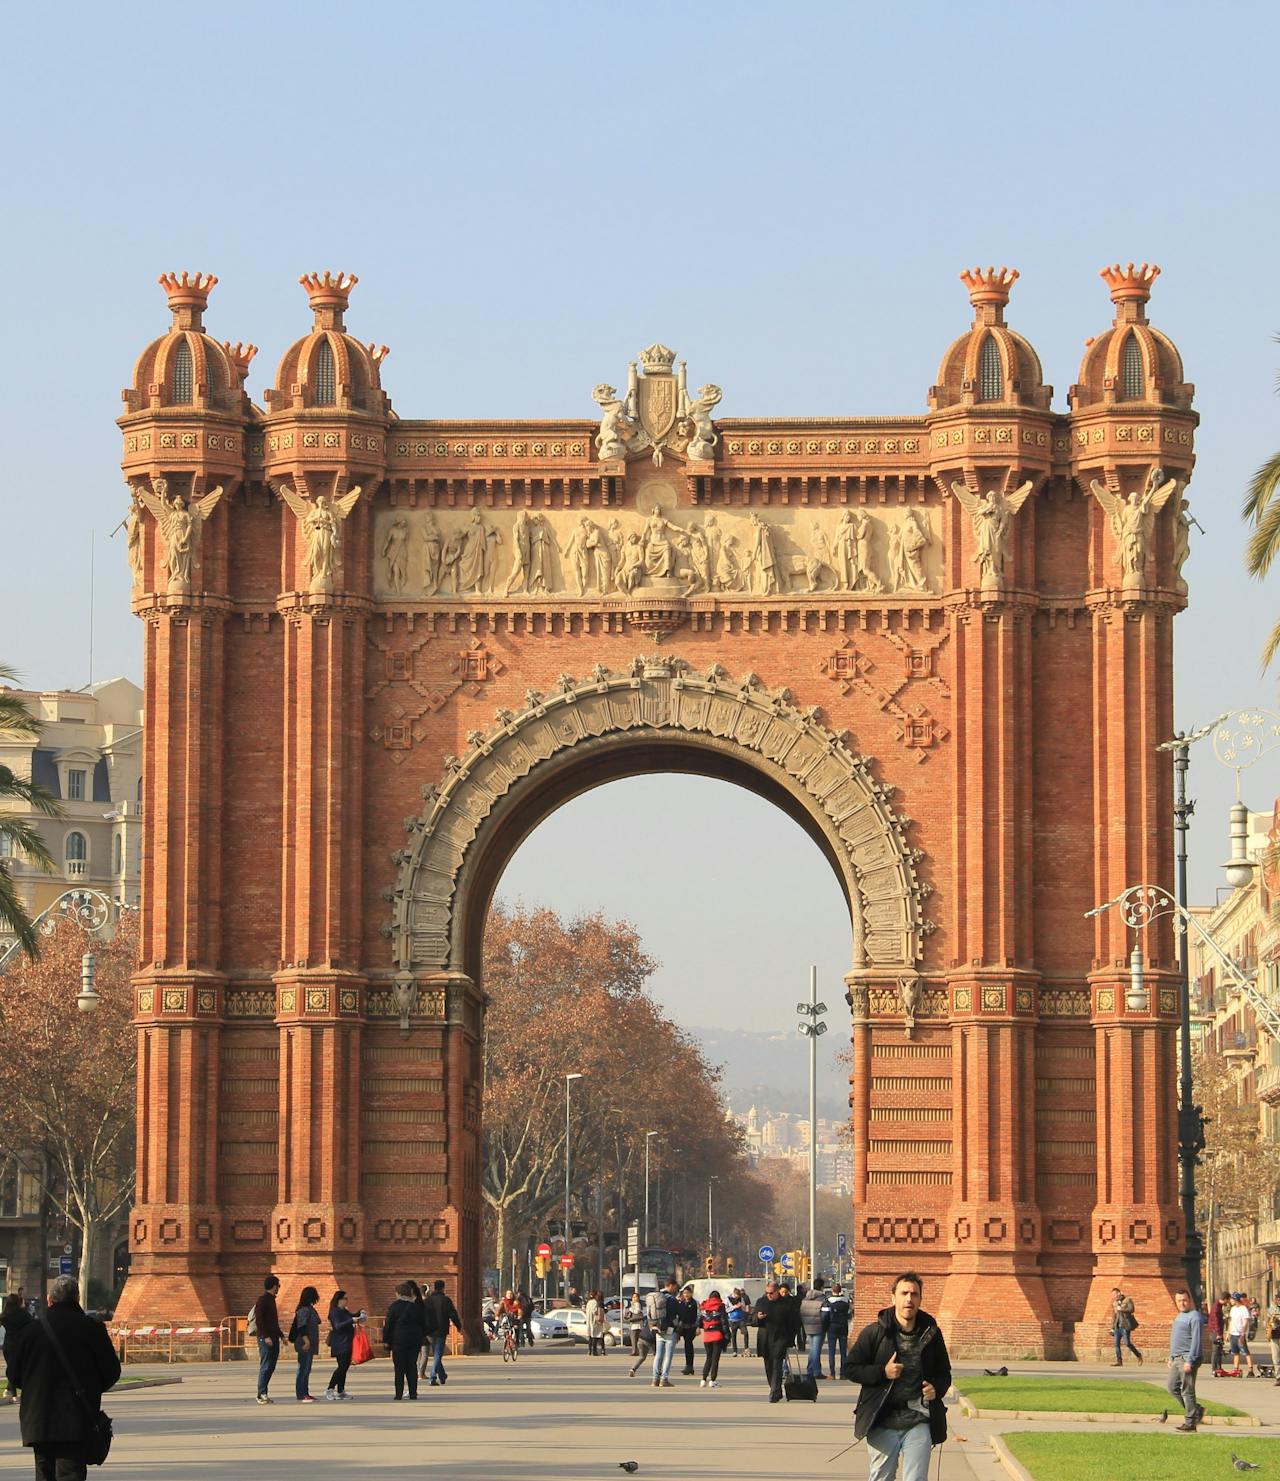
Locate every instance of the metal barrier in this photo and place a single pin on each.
(180, 1341)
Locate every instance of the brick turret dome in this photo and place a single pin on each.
(990, 364)
(186, 367)
(1131, 361)
(328, 368)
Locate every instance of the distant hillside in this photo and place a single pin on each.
(771, 1071)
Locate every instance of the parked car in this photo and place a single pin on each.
(548, 1325)
(576, 1322)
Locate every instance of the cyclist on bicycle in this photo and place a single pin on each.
(509, 1312)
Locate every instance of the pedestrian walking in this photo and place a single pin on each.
(836, 1316)
(661, 1307)
(776, 1326)
(594, 1313)
(713, 1319)
(901, 1362)
(1124, 1323)
(441, 1314)
(403, 1334)
(813, 1321)
(687, 1325)
(525, 1330)
(1186, 1347)
(739, 1311)
(342, 1332)
(264, 1324)
(13, 1319)
(641, 1333)
(1217, 1329)
(62, 1363)
(1273, 1339)
(1238, 1333)
(304, 1333)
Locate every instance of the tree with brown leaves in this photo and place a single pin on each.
(67, 1078)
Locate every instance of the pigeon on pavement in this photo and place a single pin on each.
(1243, 1465)
(629, 1466)
(996, 1372)
(1164, 1414)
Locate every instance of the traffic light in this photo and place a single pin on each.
(797, 1264)
(728, 1265)
(711, 1265)
(540, 1264)
(802, 1266)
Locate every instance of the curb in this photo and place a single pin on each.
(136, 1383)
(1083, 1416)
(1006, 1457)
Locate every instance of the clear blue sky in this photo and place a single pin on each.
(531, 194)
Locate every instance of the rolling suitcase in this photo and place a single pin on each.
(799, 1386)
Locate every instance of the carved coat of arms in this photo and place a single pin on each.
(657, 412)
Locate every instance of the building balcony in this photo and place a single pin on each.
(76, 869)
(1268, 1084)
(1239, 1045)
(1268, 1233)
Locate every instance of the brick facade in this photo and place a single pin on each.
(342, 753)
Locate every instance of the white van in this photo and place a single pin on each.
(753, 1286)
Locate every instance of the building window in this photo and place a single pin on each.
(6, 846)
(77, 848)
(75, 786)
(1132, 381)
(325, 378)
(183, 377)
(139, 789)
(990, 371)
(119, 855)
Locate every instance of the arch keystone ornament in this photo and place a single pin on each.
(659, 698)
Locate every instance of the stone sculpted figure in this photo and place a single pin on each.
(581, 551)
(820, 562)
(133, 536)
(991, 515)
(916, 536)
(728, 567)
(478, 554)
(700, 573)
(616, 427)
(712, 530)
(630, 563)
(321, 521)
(863, 532)
(702, 442)
(520, 547)
(762, 558)
(1133, 520)
(542, 543)
(180, 523)
(845, 554)
(660, 537)
(395, 551)
(1182, 522)
(449, 559)
(431, 553)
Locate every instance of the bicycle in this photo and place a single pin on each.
(510, 1347)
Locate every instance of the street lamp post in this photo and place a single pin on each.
(813, 1028)
(647, 1136)
(568, 1079)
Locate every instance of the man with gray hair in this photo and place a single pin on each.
(63, 1363)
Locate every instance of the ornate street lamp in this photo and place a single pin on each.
(92, 911)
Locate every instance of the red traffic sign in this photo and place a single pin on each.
(543, 1252)
(566, 1262)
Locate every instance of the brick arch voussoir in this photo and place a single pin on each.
(664, 697)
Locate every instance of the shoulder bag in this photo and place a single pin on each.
(98, 1433)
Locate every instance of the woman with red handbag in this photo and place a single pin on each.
(342, 1335)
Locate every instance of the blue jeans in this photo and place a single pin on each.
(268, 1357)
(303, 1385)
(834, 1340)
(884, 1446)
(814, 1369)
(1123, 1334)
(436, 1370)
(664, 1349)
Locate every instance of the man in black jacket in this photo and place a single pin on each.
(901, 1362)
(403, 1333)
(53, 1419)
(777, 1322)
(441, 1315)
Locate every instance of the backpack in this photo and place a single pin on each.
(658, 1308)
(251, 1326)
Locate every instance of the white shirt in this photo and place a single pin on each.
(1239, 1323)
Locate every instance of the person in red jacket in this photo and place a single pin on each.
(713, 1319)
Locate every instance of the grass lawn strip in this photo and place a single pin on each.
(1075, 1396)
(1053, 1456)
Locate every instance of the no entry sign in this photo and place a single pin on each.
(543, 1252)
(566, 1262)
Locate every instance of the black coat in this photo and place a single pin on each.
(404, 1326)
(50, 1413)
(866, 1364)
(778, 1322)
(441, 1314)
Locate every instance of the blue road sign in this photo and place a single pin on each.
(785, 1262)
(842, 1245)
(64, 1265)
(766, 1253)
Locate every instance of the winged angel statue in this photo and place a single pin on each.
(180, 523)
(1133, 520)
(992, 517)
(321, 522)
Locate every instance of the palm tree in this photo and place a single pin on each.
(17, 832)
(1262, 510)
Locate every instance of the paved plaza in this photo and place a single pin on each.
(554, 1414)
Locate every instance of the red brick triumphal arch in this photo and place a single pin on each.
(379, 651)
